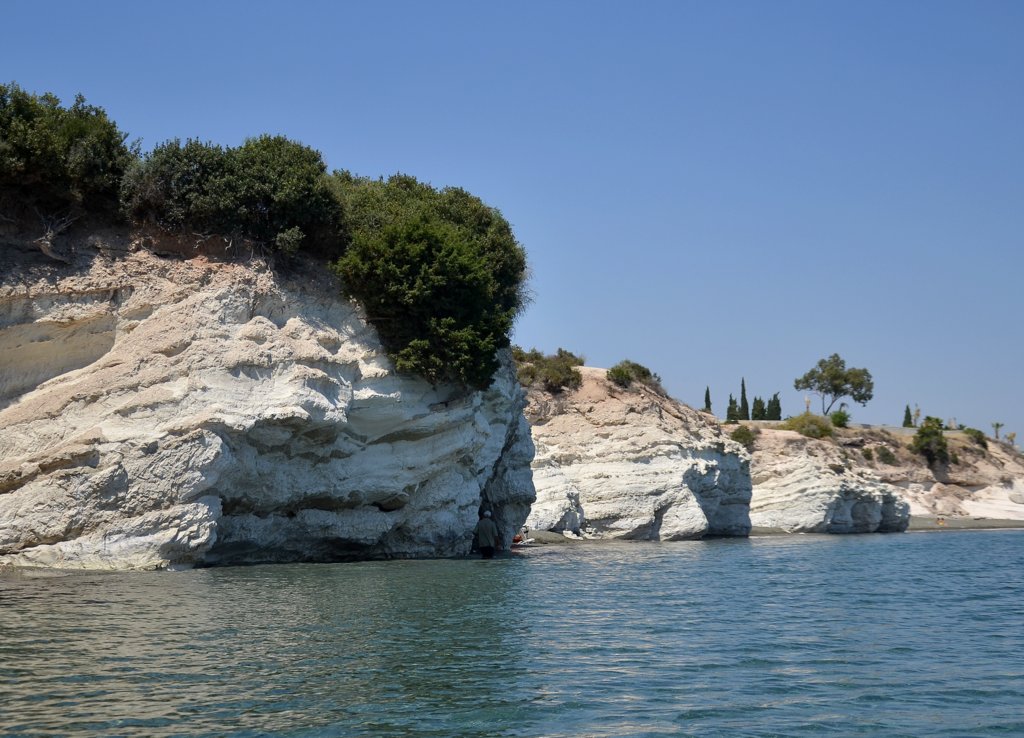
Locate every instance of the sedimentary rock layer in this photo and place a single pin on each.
(631, 463)
(167, 412)
(803, 485)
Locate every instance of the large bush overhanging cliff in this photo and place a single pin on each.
(439, 273)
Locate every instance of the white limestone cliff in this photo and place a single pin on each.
(982, 483)
(803, 485)
(166, 412)
(630, 463)
(868, 479)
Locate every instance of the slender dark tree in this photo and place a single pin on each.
(733, 413)
(908, 419)
(774, 409)
(707, 399)
(758, 411)
(744, 407)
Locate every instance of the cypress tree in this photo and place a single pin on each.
(774, 409)
(733, 413)
(908, 419)
(758, 411)
(744, 407)
(707, 399)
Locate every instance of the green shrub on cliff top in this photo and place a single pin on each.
(745, 436)
(930, 442)
(58, 159)
(270, 190)
(840, 418)
(626, 372)
(439, 272)
(977, 436)
(812, 426)
(555, 372)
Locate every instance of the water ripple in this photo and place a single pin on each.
(808, 635)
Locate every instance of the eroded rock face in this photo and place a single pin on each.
(617, 463)
(166, 412)
(802, 485)
(983, 483)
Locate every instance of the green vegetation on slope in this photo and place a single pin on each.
(807, 424)
(440, 273)
(554, 372)
(55, 161)
(626, 372)
(270, 190)
(745, 436)
(930, 442)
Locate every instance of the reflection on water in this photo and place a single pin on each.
(872, 635)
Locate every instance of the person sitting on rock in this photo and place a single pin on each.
(487, 535)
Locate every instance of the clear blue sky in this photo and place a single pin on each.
(716, 190)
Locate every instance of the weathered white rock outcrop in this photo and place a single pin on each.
(803, 485)
(629, 463)
(984, 482)
(166, 412)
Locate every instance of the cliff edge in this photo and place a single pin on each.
(167, 412)
(867, 479)
(805, 485)
(615, 462)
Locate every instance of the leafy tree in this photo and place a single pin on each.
(707, 399)
(908, 420)
(271, 190)
(774, 409)
(182, 186)
(744, 407)
(832, 380)
(56, 159)
(439, 272)
(282, 185)
(930, 441)
(758, 411)
(732, 414)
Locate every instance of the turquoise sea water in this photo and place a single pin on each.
(913, 634)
